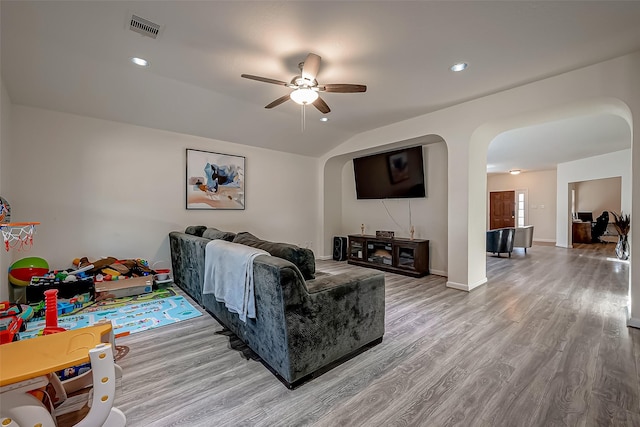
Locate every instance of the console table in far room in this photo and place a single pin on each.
(581, 232)
(396, 255)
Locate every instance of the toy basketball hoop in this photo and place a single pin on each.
(18, 234)
(15, 234)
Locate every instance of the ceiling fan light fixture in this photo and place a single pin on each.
(324, 119)
(304, 96)
(515, 171)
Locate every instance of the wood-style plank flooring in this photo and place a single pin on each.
(544, 343)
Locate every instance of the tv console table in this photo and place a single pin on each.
(402, 256)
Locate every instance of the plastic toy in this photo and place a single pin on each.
(18, 235)
(64, 307)
(21, 271)
(23, 311)
(111, 272)
(51, 313)
(5, 210)
(27, 312)
(21, 373)
(11, 322)
(15, 234)
(162, 274)
(81, 272)
(9, 328)
(67, 287)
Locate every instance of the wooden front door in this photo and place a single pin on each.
(502, 209)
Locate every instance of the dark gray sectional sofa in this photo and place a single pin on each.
(303, 323)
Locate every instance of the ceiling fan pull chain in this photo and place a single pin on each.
(303, 117)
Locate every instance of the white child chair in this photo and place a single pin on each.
(31, 364)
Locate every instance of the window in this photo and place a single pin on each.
(521, 208)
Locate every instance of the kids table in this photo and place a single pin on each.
(30, 364)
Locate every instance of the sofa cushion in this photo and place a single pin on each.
(195, 230)
(215, 234)
(300, 257)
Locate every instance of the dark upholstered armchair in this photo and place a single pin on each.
(500, 240)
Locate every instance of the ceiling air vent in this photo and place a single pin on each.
(144, 27)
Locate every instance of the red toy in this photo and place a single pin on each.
(10, 322)
(51, 313)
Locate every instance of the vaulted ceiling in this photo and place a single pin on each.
(74, 57)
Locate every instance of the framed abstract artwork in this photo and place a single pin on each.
(214, 180)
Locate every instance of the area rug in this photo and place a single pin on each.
(81, 307)
(126, 317)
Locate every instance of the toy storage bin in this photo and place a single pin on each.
(124, 288)
(66, 290)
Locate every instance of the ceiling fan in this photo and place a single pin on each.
(306, 87)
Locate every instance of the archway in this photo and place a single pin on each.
(343, 214)
(479, 144)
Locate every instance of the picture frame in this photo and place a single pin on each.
(214, 180)
(398, 167)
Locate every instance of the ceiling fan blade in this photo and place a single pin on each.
(278, 101)
(264, 79)
(311, 67)
(342, 88)
(321, 105)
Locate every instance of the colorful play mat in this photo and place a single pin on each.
(127, 315)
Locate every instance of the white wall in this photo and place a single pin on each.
(101, 188)
(609, 87)
(428, 215)
(5, 121)
(599, 195)
(616, 164)
(541, 206)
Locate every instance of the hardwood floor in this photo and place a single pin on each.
(544, 343)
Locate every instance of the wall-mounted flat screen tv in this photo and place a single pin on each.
(391, 175)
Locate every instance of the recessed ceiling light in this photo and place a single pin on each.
(140, 61)
(459, 66)
(324, 119)
(514, 171)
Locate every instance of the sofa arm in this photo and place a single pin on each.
(347, 280)
(187, 262)
(339, 315)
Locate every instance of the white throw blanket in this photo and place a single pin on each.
(228, 275)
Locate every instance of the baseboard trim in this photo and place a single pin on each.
(438, 273)
(544, 240)
(464, 287)
(324, 257)
(633, 322)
